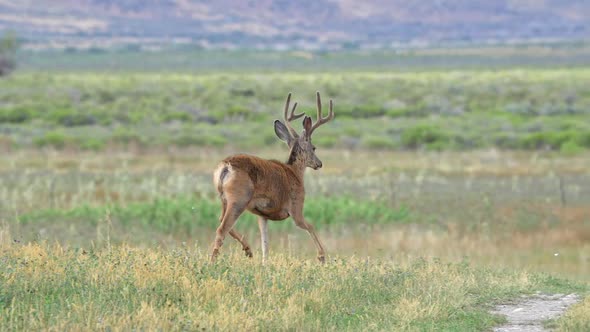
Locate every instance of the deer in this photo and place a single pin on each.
(270, 189)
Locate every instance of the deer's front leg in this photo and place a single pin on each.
(263, 226)
(301, 223)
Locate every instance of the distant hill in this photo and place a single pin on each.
(284, 24)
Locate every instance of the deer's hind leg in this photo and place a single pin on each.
(229, 219)
(237, 192)
(235, 234)
(242, 239)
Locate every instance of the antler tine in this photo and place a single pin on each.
(320, 121)
(292, 116)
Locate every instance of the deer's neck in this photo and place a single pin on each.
(295, 160)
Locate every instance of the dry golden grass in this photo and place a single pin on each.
(577, 318)
(120, 288)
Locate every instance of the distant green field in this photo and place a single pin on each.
(190, 59)
(434, 110)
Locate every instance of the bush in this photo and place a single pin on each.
(520, 108)
(54, 139)
(185, 140)
(15, 115)
(400, 112)
(357, 111)
(71, 118)
(571, 148)
(415, 110)
(178, 116)
(555, 140)
(92, 144)
(241, 112)
(424, 136)
(125, 136)
(367, 111)
(325, 141)
(583, 139)
(506, 141)
(539, 140)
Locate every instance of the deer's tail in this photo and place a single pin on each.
(220, 175)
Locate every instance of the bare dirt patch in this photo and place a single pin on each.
(528, 314)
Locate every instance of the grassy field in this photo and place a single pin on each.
(189, 59)
(442, 193)
(50, 287)
(416, 240)
(433, 110)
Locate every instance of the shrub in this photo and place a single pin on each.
(234, 113)
(506, 141)
(521, 108)
(539, 140)
(415, 110)
(196, 139)
(106, 97)
(439, 105)
(185, 140)
(400, 112)
(424, 136)
(214, 140)
(241, 112)
(71, 118)
(571, 148)
(359, 111)
(583, 139)
(367, 111)
(555, 140)
(177, 116)
(15, 115)
(125, 136)
(92, 144)
(326, 141)
(54, 139)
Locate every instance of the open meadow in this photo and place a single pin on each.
(442, 194)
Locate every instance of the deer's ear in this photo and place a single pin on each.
(282, 132)
(307, 125)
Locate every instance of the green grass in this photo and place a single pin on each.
(123, 288)
(531, 109)
(187, 58)
(188, 215)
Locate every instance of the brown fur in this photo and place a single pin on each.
(268, 188)
(274, 184)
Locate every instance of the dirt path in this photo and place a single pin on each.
(529, 313)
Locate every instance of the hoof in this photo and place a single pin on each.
(248, 252)
(214, 255)
(322, 259)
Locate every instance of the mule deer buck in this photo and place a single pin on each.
(270, 189)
